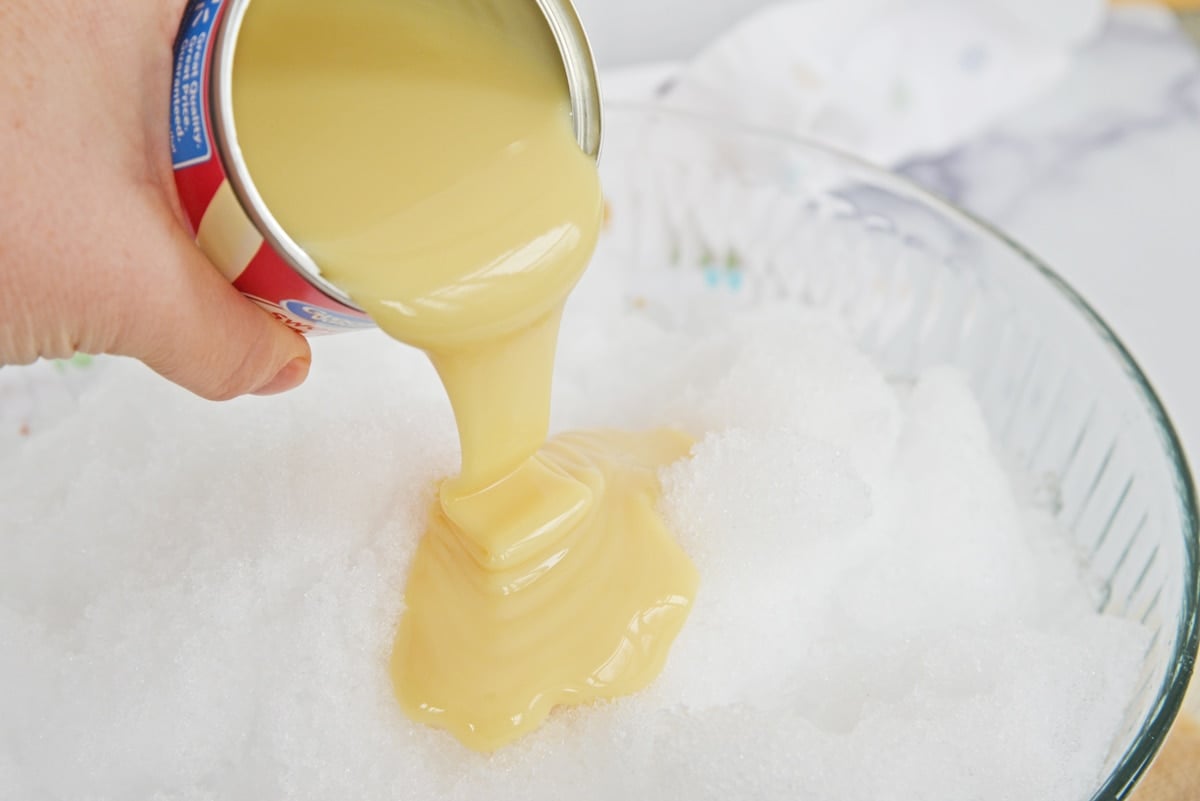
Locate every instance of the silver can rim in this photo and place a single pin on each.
(582, 83)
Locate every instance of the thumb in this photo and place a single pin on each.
(191, 326)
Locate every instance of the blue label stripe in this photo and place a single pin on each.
(325, 318)
(189, 131)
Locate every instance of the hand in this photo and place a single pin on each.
(95, 255)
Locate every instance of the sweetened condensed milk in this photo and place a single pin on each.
(427, 164)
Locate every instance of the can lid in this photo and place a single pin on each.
(567, 42)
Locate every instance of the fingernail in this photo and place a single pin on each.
(291, 376)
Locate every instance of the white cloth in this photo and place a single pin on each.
(888, 80)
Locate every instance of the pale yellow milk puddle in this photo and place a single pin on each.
(429, 168)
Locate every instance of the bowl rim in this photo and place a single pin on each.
(1149, 739)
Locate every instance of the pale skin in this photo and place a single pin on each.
(95, 255)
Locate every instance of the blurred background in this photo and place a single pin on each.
(631, 31)
(627, 32)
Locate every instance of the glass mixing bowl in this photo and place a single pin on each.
(742, 216)
(745, 216)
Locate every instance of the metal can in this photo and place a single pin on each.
(232, 224)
